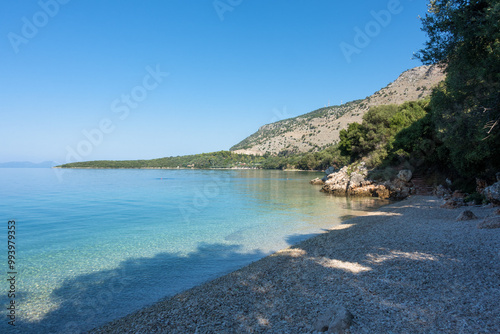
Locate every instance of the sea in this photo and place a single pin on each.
(92, 245)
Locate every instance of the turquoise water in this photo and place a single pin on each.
(94, 245)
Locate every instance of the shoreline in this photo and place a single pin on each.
(185, 168)
(406, 267)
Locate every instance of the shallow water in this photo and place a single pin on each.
(94, 245)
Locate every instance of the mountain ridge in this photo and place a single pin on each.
(320, 128)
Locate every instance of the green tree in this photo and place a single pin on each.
(350, 139)
(464, 36)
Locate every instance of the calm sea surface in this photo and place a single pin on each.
(94, 245)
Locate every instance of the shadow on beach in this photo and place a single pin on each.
(405, 268)
(94, 299)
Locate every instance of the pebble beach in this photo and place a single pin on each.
(408, 267)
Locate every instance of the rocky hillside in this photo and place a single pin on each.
(320, 128)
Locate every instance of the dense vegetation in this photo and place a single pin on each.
(222, 159)
(464, 36)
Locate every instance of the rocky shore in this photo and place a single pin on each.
(409, 267)
(353, 181)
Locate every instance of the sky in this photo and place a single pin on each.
(130, 79)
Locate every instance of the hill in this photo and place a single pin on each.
(318, 129)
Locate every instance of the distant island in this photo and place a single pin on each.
(27, 164)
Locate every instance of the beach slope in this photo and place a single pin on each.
(407, 267)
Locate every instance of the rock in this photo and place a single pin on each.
(405, 175)
(342, 320)
(466, 215)
(356, 180)
(453, 203)
(489, 223)
(334, 320)
(492, 193)
(323, 321)
(351, 181)
(317, 181)
(383, 192)
(497, 212)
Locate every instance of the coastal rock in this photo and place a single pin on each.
(405, 175)
(490, 223)
(317, 181)
(383, 192)
(356, 180)
(492, 193)
(466, 215)
(352, 181)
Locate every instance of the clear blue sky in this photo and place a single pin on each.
(233, 66)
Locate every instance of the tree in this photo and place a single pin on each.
(464, 36)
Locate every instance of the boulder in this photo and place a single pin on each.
(342, 320)
(466, 215)
(382, 192)
(317, 181)
(490, 223)
(405, 175)
(492, 193)
(352, 181)
(356, 180)
(453, 203)
(334, 320)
